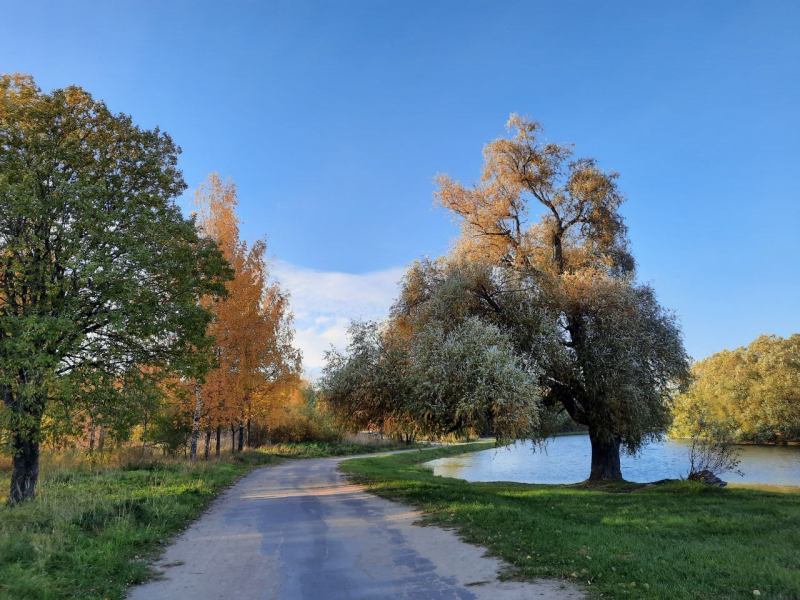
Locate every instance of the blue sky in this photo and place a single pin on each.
(333, 118)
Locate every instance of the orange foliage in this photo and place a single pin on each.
(256, 365)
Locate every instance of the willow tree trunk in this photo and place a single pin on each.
(605, 459)
(144, 438)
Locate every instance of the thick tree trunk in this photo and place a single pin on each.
(605, 460)
(198, 407)
(25, 463)
(24, 434)
(248, 434)
(219, 438)
(233, 439)
(208, 444)
(241, 436)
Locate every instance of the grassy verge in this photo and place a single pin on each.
(327, 449)
(679, 540)
(91, 530)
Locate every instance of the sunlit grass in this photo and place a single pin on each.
(679, 540)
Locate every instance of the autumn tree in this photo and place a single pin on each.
(559, 291)
(100, 274)
(621, 355)
(256, 363)
(751, 394)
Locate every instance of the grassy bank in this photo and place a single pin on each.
(680, 540)
(93, 527)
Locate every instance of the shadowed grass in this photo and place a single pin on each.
(678, 540)
(92, 528)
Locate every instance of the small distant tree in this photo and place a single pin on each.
(714, 450)
(100, 274)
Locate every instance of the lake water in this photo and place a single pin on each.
(567, 459)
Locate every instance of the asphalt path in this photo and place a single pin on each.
(301, 531)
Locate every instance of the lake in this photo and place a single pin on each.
(566, 459)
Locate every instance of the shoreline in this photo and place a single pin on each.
(767, 444)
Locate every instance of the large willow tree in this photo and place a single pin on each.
(557, 286)
(621, 354)
(100, 274)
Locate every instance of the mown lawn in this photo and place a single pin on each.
(679, 540)
(91, 530)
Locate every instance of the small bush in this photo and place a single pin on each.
(716, 454)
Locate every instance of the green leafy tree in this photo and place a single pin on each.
(751, 394)
(100, 274)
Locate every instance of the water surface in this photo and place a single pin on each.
(567, 459)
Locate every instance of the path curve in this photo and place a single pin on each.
(301, 531)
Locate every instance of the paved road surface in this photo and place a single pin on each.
(300, 531)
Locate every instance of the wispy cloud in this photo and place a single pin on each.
(324, 303)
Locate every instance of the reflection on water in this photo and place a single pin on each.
(566, 460)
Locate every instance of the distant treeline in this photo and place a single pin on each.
(749, 394)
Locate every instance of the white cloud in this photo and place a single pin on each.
(324, 303)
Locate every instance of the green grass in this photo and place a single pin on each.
(679, 540)
(324, 449)
(92, 529)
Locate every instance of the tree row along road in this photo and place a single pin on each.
(301, 531)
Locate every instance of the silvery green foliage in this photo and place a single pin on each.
(366, 385)
(470, 346)
(468, 377)
(621, 353)
(443, 364)
(447, 380)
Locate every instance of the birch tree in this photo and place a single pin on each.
(255, 360)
